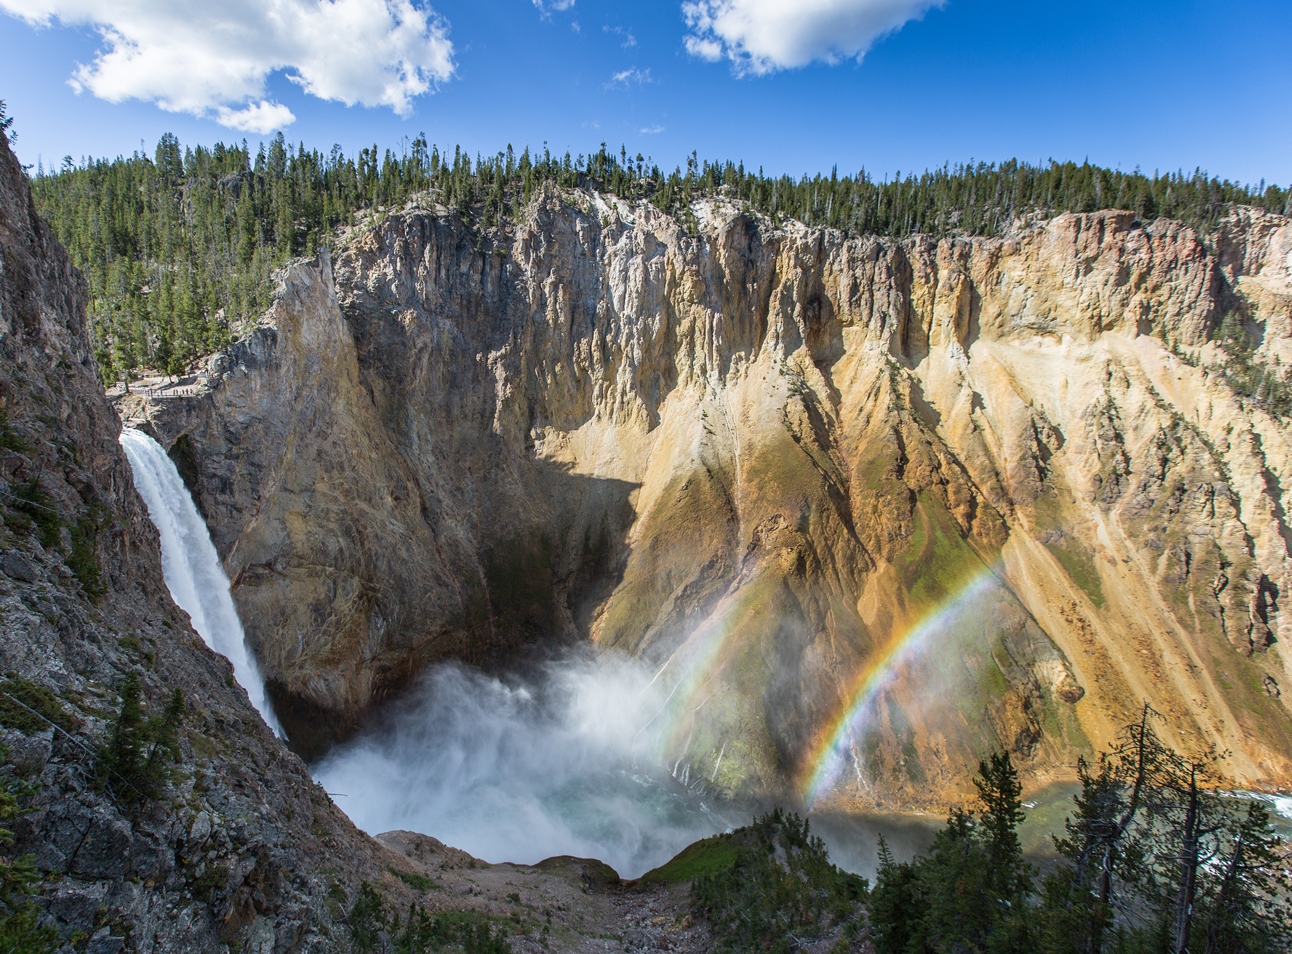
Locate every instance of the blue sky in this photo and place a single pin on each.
(1159, 84)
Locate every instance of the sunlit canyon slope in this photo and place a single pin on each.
(868, 507)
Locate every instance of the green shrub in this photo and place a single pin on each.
(1264, 384)
(211, 880)
(780, 888)
(20, 930)
(29, 707)
(38, 507)
(83, 560)
(418, 882)
(467, 931)
(8, 439)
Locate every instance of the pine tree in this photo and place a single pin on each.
(122, 760)
(6, 123)
(894, 908)
(20, 929)
(132, 765)
(1001, 794)
(163, 733)
(1247, 908)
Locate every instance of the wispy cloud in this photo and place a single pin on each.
(630, 77)
(763, 36)
(212, 60)
(549, 6)
(651, 130)
(626, 39)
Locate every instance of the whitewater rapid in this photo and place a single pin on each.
(191, 566)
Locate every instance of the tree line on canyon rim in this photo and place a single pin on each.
(179, 247)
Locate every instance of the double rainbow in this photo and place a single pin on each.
(831, 748)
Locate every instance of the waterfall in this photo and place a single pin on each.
(194, 576)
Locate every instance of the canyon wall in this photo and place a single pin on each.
(237, 849)
(872, 507)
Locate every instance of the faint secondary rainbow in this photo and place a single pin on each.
(695, 663)
(832, 744)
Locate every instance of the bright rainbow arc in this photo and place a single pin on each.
(877, 673)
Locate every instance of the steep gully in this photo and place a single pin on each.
(865, 508)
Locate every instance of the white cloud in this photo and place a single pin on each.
(212, 59)
(546, 6)
(630, 77)
(705, 49)
(262, 117)
(762, 36)
(651, 130)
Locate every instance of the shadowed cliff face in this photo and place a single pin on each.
(83, 605)
(872, 507)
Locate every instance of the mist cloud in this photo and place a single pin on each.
(521, 770)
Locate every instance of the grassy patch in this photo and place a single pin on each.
(698, 860)
(83, 560)
(213, 879)
(992, 678)
(1077, 559)
(933, 564)
(38, 507)
(1079, 563)
(29, 707)
(911, 763)
(8, 439)
(418, 882)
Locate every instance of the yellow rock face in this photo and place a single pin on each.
(872, 508)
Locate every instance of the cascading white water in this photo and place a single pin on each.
(196, 579)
